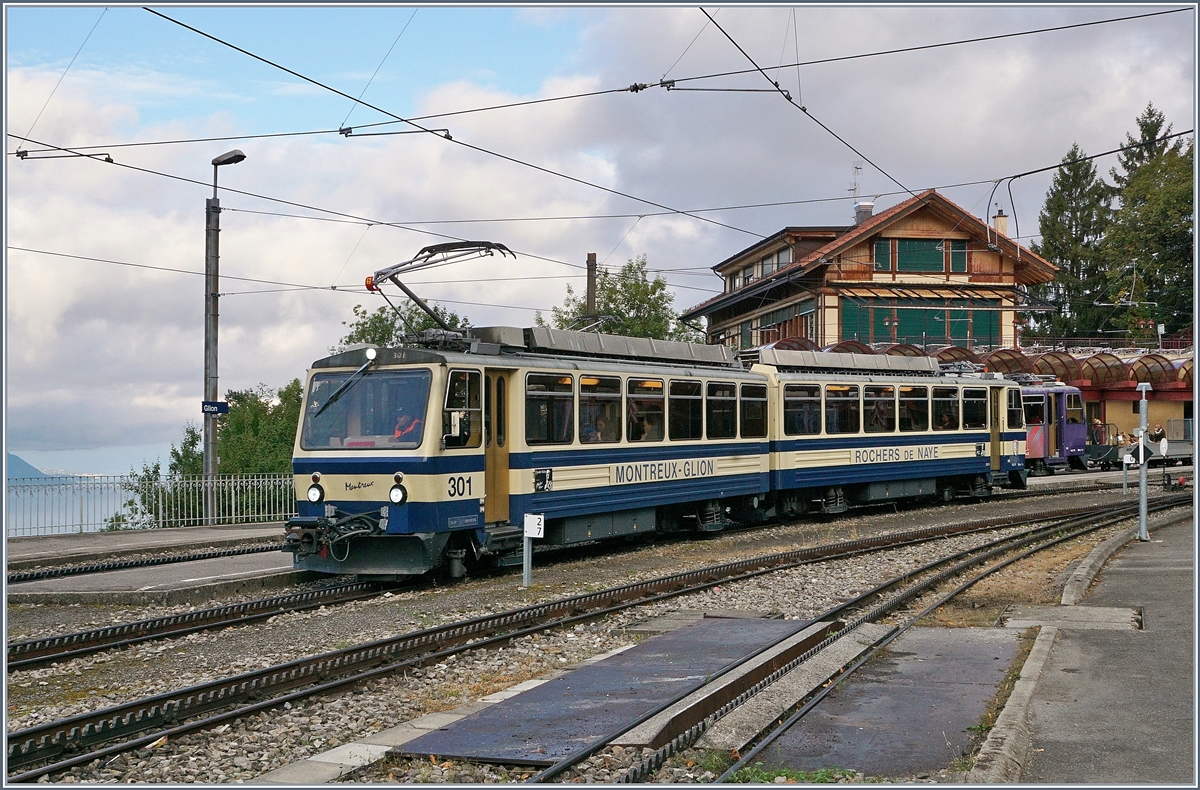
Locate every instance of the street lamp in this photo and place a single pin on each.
(212, 215)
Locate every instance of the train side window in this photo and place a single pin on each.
(722, 410)
(914, 409)
(754, 411)
(644, 413)
(841, 408)
(801, 409)
(462, 423)
(879, 406)
(974, 408)
(549, 408)
(599, 409)
(501, 414)
(1035, 409)
(1016, 417)
(945, 408)
(487, 411)
(685, 410)
(1074, 408)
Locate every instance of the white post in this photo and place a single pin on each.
(535, 527)
(1143, 532)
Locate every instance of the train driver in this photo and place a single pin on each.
(408, 428)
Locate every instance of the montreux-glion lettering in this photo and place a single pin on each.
(883, 455)
(663, 470)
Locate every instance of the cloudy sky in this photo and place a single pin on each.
(104, 362)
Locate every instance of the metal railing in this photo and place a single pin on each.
(1179, 430)
(55, 505)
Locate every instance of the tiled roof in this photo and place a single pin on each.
(858, 232)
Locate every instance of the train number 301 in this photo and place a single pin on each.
(459, 486)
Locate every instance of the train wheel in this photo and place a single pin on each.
(946, 492)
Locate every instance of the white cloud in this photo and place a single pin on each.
(102, 355)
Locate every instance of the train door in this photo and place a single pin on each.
(497, 422)
(994, 408)
(1054, 404)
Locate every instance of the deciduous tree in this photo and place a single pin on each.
(632, 304)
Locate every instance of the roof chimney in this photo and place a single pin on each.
(1000, 222)
(863, 210)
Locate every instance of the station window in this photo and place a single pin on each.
(721, 410)
(841, 408)
(462, 423)
(1015, 415)
(754, 411)
(879, 407)
(974, 408)
(645, 410)
(685, 410)
(599, 409)
(801, 409)
(914, 409)
(945, 408)
(549, 409)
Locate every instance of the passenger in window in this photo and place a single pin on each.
(944, 423)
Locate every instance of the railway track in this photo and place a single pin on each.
(57, 746)
(32, 653)
(40, 652)
(1024, 544)
(119, 565)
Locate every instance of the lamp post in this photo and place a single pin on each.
(212, 226)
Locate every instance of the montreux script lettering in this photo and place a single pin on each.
(883, 455)
(663, 470)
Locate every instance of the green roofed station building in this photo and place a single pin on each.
(924, 273)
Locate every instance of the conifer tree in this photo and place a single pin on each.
(1072, 224)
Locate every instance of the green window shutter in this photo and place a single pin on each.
(958, 255)
(747, 336)
(853, 321)
(883, 255)
(919, 255)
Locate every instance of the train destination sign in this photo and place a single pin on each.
(876, 455)
(214, 406)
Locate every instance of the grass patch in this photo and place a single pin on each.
(756, 774)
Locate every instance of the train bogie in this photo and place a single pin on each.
(407, 460)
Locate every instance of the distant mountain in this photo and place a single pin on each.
(18, 467)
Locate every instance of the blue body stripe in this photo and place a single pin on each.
(411, 516)
(822, 476)
(578, 456)
(388, 464)
(891, 439)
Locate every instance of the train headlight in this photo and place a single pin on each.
(315, 493)
(398, 494)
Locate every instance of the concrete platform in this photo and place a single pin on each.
(184, 582)
(1118, 706)
(907, 712)
(29, 552)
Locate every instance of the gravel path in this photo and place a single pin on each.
(245, 749)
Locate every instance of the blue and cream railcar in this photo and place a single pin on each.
(407, 459)
(854, 429)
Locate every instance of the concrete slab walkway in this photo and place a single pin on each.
(1118, 705)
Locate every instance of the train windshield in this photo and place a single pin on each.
(380, 409)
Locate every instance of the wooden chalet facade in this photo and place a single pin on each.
(924, 272)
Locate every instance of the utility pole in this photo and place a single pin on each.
(1143, 422)
(212, 230)
(590, 318)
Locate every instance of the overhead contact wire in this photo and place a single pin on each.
(450, 139)
(804, 110)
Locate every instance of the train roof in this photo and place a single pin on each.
(567, 350)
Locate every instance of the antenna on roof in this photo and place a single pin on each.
(854, 184)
